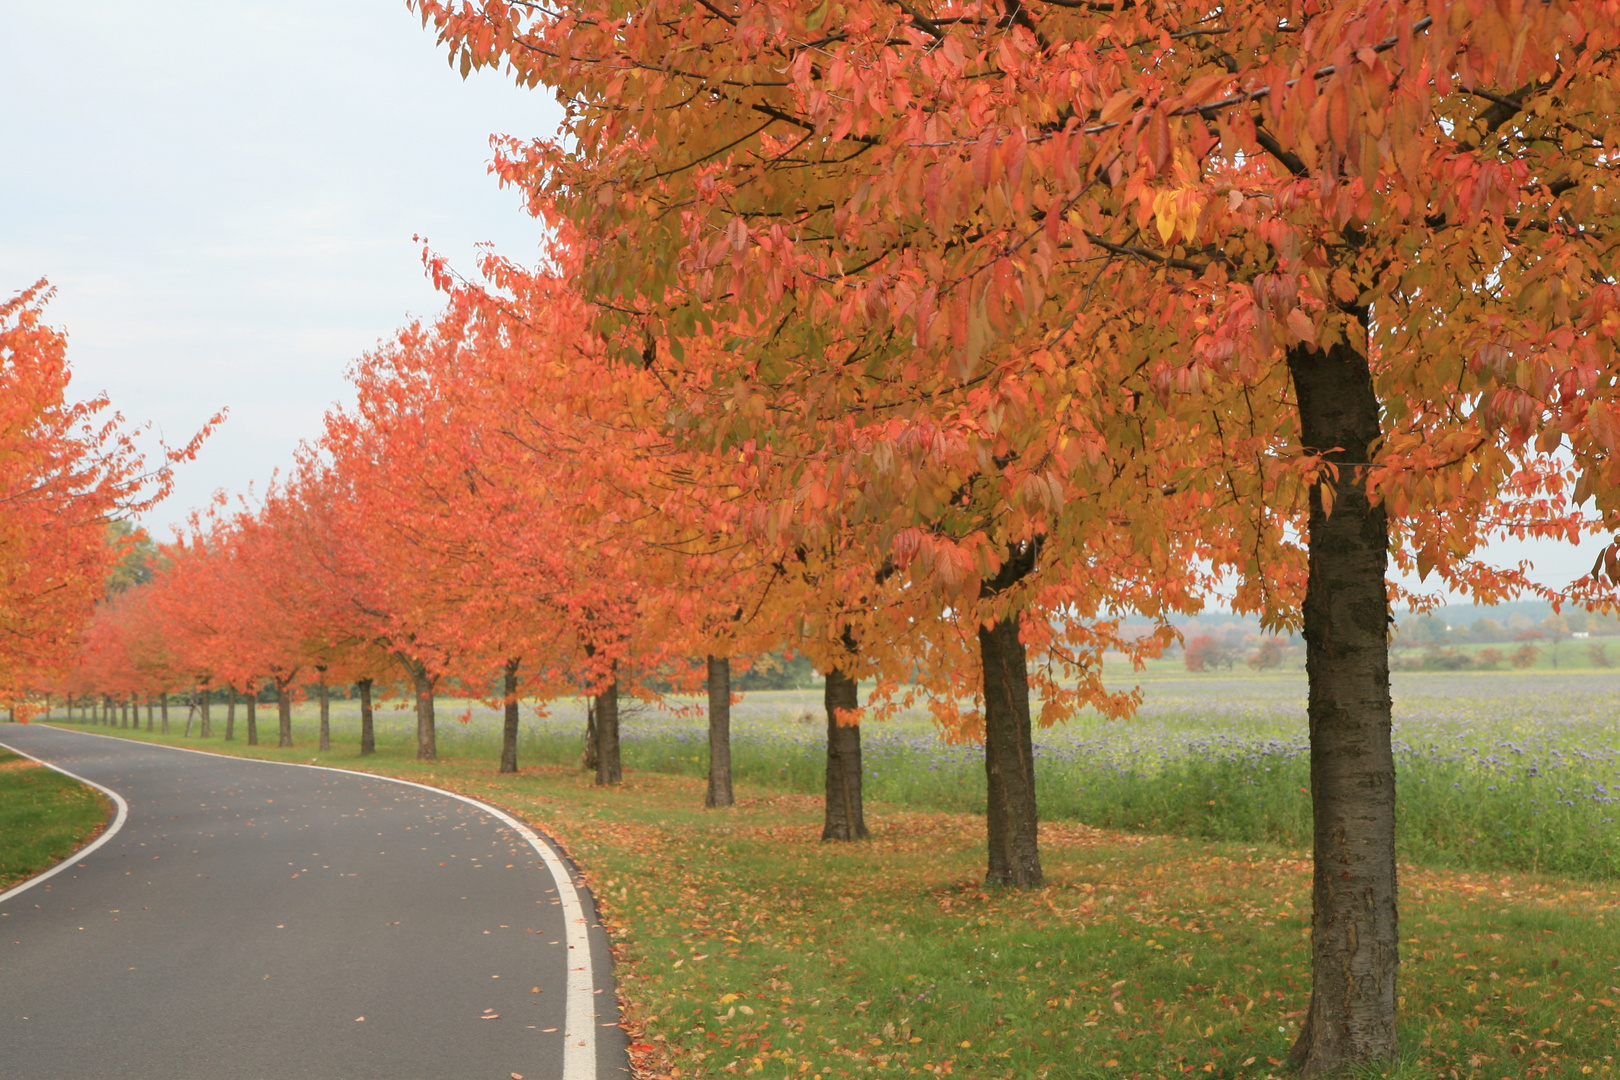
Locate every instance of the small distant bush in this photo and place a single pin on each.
(1206, 653)
(1268, 655)
(1524, 656)
(1489, 659)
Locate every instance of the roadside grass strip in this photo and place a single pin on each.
(746, 947)
(45, 816)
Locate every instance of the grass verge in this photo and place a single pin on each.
(747, 947)
(44, 817)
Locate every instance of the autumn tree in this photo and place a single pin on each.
(1331, 271)
(67, 471)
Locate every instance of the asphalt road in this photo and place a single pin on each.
(252, 920)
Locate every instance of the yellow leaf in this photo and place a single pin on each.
(1164, 214)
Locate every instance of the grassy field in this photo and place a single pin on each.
(44, 817)
(747, 947)
(1499, 770)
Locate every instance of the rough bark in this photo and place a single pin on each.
(426, 734)
(283, 715)
(1009, 756)
(230, 713)
(1354, 938)
(253, 716)
(608, 770)
(845, 816)
(509, 728)
(587, 761)
(205, 728)
(325, 698)
(368, 731)
(719, 793)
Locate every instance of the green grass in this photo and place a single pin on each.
(746, 947)
(1496, 770)
(44, 817)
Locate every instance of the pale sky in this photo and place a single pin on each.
(224, 194)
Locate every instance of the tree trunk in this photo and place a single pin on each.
(122, 709)
(1011, 822)
(1354, 937)
(69, 708)
(191, 711)
(326, 713)
(588, 759)
(427, 745)
(149, 717)
(205, 729)
(719, 793)
(368, 734)
(253, 715)
(230, 713)
(509, 730)
(846, 816)
(283, 716)
(1009, 759)
(163, 710)
(608, 770)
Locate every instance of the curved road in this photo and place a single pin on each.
(248, 914)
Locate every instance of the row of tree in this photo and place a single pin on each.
(67, 469)
(929, 341)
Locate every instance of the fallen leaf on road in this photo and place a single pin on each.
(358, 1019)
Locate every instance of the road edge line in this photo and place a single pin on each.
(120, 816)
(579, 1021)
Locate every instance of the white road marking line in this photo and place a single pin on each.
(112, 830)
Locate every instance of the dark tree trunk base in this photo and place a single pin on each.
(1354, 938)
(509, 730)
(719, 793)
(325, 743)
(846, 816)
(368, 729)
(608, 769)
(1009, 759)
(587, 760)
(283, 716)
(427, 739)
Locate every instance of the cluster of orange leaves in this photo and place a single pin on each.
(67, 469)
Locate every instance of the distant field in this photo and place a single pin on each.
(1499, 770)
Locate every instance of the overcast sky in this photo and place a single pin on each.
(224, 195)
